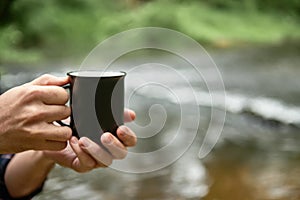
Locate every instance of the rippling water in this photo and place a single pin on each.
(256, 157)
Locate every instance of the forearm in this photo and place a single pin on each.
(26, 172)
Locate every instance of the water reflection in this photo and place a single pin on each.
(256, 157)
(249, 173)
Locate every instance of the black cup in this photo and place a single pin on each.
(97, 103)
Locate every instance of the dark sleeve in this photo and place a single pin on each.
(4, 195)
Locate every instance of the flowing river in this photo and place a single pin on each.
(257, 155)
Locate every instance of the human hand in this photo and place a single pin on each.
(27, 113)
(84, 155)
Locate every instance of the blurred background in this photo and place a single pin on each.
(255, 44)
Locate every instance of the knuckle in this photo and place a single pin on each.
(45, 78)
(40, 114)
(33, 92)
(27, 131)
(20, 148)
(32, 114)
(36, 114)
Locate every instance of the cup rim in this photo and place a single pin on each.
(96, 74)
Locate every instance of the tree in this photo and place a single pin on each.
(6, 11)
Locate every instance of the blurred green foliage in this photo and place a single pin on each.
(34, 30)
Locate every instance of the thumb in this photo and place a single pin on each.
(48, 79)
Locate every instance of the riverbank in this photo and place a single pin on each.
(48, 31)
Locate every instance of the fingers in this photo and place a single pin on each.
(114, 146)
(48, 145)
(47, 79)
(84, 162)
(47, 94)
(55, 133)
(127, 136)
(129, 115)
(55, 112)
(53, 95)
(99, 154)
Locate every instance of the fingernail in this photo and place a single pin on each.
(123, 129)
(122, 134)
(132, 115)
(107, 139)
(74, 140)
(85, 142)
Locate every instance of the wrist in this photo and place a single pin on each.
(26, 172)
